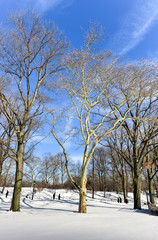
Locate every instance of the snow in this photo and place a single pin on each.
(44, 218)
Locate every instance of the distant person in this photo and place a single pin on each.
(53, 196)
(7, 193)
(126, 200)
(119, 200)
(59, 197)
(32, 195)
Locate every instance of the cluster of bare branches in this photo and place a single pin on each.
(106, 96)
(98, 100)
(31, 52)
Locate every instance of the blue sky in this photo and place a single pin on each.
(131, 26)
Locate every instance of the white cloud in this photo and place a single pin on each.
(39, 5)
(137, 24)
(44, 5)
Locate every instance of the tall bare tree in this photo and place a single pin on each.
(30, 53)
(144, 113)
(100, 169)
(117, 143)
(93, 89)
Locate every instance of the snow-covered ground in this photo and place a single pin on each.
(46, 219)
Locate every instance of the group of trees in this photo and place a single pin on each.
(30, 53)
(46, 172)
(108, 103)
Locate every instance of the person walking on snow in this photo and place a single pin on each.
(53, 195)
(7, 193)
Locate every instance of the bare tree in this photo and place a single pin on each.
(144, 113)
(117, 143)
(93, 89)
(32, 169)
(100, 169)
(51, 169)
(76, 170)
(46, 171)
(54, 160)
(7, 174)
(62, 168)
(30, 53)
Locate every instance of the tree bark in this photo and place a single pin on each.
(104, 183)
(3, 188)
(124, 185)
(1, 163)
(1, 173)
(137, 189)
(15, 205)
(151, 186)
(136, 171)
(62, 179)
(83, 194)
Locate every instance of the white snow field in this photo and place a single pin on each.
(46, 219)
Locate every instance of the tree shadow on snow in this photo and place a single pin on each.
(143, 211)
(51, 209)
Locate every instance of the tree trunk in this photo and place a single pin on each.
(62, 179)
(1, 163)
(4, 185)
(124, 187)
(117, 184)
(104, 184)
(83, 194)
(93, 175)
(15, 205)
(99, 181)
(104, 190)
(0, 173)
(151, 190)
(151, 186)
(113, 180)
(54, 178)
(136, 172)
(137, 189)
